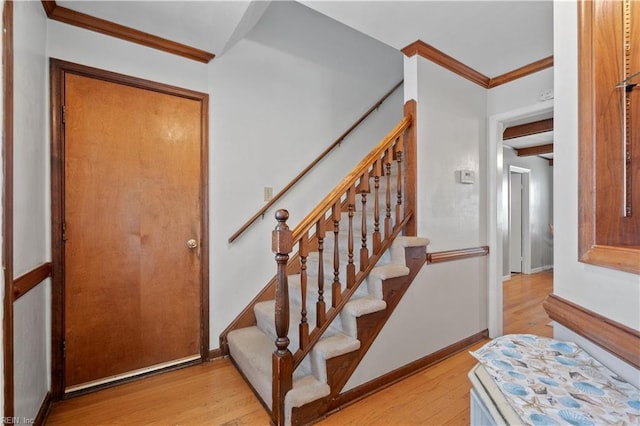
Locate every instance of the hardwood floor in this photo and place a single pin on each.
(216, 394)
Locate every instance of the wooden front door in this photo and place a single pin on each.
(132, 219)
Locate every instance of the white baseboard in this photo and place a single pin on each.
(541, 269)
(506, 278)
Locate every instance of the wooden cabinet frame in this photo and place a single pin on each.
(606, 238)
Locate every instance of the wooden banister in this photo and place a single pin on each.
(282, 359)
(335, 195)
(260, 213)
(326, 217)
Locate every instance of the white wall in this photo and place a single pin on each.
(279, 98)
(540, 209)
(31, 206)
(446, 302)
(611, 293)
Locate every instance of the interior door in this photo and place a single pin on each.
(515, 222)
(132, 228)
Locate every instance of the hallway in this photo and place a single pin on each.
(214, 393)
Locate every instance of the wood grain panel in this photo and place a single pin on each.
(59, 69)
(82, 20)
(606, 238)
(7, 205)
(411, 167)
(534, 150)
(29, 280)
(449, 255)
(431, 53)
(132, 186)
(524, 71)
(528, 129)
(616, 338)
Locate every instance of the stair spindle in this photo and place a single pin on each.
(320, 305)
(377, 172)
(364, 251)
(351, 268)
(282, 359)
(336, 289)
(399, 181)
(387, 219)
(303, 249)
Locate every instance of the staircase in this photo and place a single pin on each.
(336, 296)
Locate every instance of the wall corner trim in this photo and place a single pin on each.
(524, 71)
(436, 56)
(92, 23)
(616, 338)
(31, 279)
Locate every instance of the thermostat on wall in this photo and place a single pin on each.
(467, 176)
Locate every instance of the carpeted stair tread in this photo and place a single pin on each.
(306, 389)
(381, 273)
(329, 347)
(265, 314)
(355, 308)
(251, 350)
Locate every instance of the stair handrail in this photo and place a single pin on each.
(376, 164)
(337, 192)
(299, 176)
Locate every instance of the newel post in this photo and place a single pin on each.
(411, 167)
(282, 360)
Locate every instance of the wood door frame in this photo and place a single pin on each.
(57, 71)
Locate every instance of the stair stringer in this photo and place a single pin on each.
(340, 368)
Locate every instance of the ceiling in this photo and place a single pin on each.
(492, 37)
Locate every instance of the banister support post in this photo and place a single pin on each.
(410, 167)
(282, 359)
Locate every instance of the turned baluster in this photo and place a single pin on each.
(364, 251)
(282, 359)
(377, 172)
(387, 219)
(399, 181)
(336, 288)
(351, 268)
(304, 325)
(320, 305)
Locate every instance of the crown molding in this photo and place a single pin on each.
(429, 52)
(436, 56)
(521, 72)
(82, 20)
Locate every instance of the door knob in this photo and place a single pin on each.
(192, 244)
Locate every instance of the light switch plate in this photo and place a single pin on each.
(467, 176)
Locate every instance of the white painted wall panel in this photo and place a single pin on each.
(31, 206)
(31, 357)
(451, 136)
(31, 147)
(279, 97)
(447, 302)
